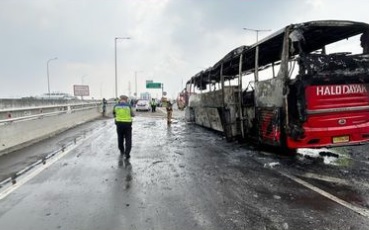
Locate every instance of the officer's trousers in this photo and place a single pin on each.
(124, 131)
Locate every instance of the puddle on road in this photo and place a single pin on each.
(180, 132)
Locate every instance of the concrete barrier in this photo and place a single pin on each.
(17, 133)
(33, 102)
(12, 108)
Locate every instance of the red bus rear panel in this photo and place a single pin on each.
(336, 115)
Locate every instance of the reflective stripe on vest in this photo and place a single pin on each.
(122, 113)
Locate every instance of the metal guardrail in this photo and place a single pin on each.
(63, 110)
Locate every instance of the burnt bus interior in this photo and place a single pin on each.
(302, 45)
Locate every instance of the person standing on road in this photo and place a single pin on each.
(153, 105)
(123, 114)
(169, 112)
(104, 103)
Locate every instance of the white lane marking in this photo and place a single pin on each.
(39, 169)
(326, 178)
(363, 184)
(362, 211)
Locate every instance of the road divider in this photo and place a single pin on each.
(19, 132)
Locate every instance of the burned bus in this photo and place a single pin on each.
(297, 88)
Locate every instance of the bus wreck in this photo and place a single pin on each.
(300, 91)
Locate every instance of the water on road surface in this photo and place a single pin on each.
(183, 177)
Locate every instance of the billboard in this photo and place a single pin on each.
(81, 90)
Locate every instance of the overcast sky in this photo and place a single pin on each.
(171, 41)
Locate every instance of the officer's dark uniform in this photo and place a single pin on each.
(169, 112)
(123, 119)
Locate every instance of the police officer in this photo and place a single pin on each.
(153, 105)
(169, 112)
(104, 103)
(123, 114)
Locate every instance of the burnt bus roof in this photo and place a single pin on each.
(316, 35)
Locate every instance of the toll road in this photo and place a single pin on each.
(179, 177)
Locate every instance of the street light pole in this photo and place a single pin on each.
(47, 70)
(136, 81)
(116, 71)
(256, 73)
(82, 77)
(257, 32)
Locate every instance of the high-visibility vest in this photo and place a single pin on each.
(122, 113)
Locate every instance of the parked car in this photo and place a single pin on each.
(143, 105)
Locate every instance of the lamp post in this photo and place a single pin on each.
(256, 73)
(257, 32)
(47, 70)
(82, 77)
(116, 71)
(136, 81)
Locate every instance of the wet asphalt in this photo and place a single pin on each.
(183, 177)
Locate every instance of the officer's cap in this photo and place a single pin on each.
(123, 97)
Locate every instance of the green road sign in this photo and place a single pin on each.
(153, 85)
